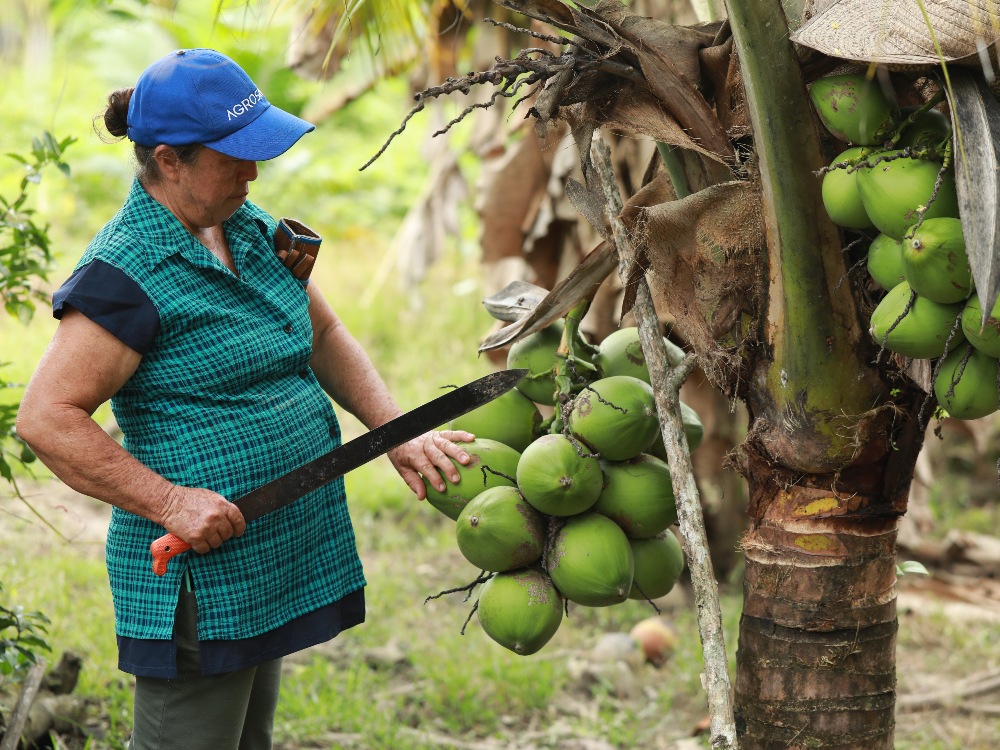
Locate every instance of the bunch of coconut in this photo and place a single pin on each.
(582, 514)
(891, 184)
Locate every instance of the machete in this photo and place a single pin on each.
(310, 476)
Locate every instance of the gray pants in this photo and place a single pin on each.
(233, 711)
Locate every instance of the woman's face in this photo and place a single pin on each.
(209, 191)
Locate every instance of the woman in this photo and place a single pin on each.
(218, 361)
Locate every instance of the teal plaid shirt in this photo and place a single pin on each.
(225, 400)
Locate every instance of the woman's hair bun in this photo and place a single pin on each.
(116, 115)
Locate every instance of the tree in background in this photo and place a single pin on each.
(25, 260)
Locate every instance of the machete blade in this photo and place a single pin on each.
(312, 475)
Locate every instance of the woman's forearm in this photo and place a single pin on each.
(81, 454)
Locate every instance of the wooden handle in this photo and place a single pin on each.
(163, 549)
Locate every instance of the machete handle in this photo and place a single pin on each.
(163, 549)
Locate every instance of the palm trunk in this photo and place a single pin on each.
(816, 657)
(829, 456)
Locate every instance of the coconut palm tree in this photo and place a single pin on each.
(729, 222)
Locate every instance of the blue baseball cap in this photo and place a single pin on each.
(201, 96)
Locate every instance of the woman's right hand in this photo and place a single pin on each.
(202, 518)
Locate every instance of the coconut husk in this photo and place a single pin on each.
(895, 33)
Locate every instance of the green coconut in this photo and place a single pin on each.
(615, 416)
(694, 431)
(590, 561)
(620, 353)
(840, 193)
(638, 495)
(930, 130)
(966, 384)
(893, 192)
(498, 530)
(493, 464)
(935, 262)
(985, 337)
(536, 353)
(924, 329)
(853, 108)
(512, 419)
(521, 610)
(885, 261)
(558, 475)
(658, 564)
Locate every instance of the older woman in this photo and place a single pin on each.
(219, 362)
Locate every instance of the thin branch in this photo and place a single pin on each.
(529, 32)
(666, 386)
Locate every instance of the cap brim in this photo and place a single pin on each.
(271, 134)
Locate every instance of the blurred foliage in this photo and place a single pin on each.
(25, 260)
(22, 637)
(25, 254)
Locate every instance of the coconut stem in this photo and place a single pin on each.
(666, 382)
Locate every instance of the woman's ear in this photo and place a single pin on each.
(167, 161)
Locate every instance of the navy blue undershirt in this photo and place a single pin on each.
(116, 303)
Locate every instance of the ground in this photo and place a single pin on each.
(948, 656)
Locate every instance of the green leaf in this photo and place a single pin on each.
(911, 566)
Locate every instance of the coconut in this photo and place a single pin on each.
(966, 384)
(658, 564)
(615, 416)
(620, 353)
(694, 431)
(893, 192)
(638, 495)
(931, 130)
(840, 193)
(986, 338)
(536, 353)
(559, 476)
(498, 530)
(512, 419)
(853, 108)
(935, 263)
(493, 464)
(885, 261)
(924, 329)
(657, 637)
(590, 561)
(521, 610)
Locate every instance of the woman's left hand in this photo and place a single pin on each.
(430, 455)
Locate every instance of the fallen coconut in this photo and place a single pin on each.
(657, 638)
